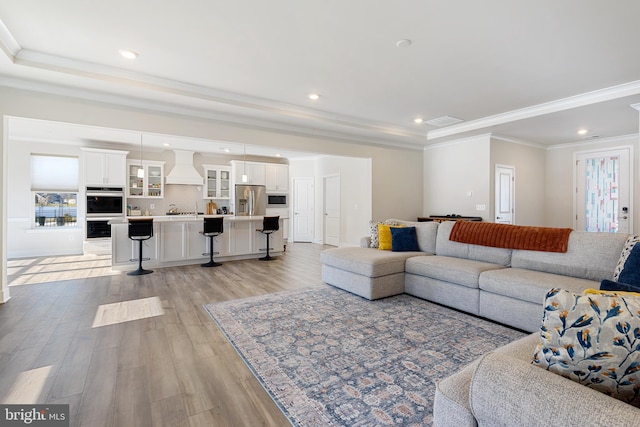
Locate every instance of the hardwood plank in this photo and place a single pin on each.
(174, 369)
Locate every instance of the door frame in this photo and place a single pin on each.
(595, 151)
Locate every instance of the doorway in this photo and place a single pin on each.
(331, 198)
(505, 179)
(604, 191)
(303, 203)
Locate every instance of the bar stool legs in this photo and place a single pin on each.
(140, 271)
(267, 257)
(211, 262)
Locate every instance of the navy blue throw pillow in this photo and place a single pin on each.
(630, 273)
(610, 285)
(404, 239)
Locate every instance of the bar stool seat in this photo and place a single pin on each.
(212, 227)
(270, 224)
(140, 230)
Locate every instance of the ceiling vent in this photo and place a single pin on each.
(444, 121)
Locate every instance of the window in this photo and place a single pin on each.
(54, 187)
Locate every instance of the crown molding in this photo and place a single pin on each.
(450, 143)
(596, 96)
(519, 142)
(595, 141)
(8, 44)
(210, 95)
(246, 121)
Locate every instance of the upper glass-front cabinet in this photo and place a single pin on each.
(217, 182)
(151, 185)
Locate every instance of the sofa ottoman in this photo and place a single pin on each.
(370, 273)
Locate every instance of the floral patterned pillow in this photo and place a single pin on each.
(594, 340)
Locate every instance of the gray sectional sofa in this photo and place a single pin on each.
(502, 388)
(504, 285)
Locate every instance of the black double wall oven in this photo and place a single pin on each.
(103, 204)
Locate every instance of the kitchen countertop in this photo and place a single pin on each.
(185, 218)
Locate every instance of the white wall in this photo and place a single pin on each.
(22, 239)
(355, 197)
(530, 166)
(559, 184)
(457, 177)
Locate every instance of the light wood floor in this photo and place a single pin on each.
(170, 369)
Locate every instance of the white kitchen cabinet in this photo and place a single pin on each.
(217, 182)
(125, 249)
(277, 178)
(260, 240)
(243, 236)
(172, 241)
(255, 171)
(104, 167)
(151, 185)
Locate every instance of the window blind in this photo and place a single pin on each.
(54, 173)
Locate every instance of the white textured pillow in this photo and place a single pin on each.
(626, 250)
(373, 229)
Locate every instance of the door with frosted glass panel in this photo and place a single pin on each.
(603, 196)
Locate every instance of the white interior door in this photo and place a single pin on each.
(505, 193)
(603, 191)
(303, 203)
(332, 210)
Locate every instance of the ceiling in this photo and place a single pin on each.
(534, 72)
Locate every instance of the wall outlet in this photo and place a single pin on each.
(481, 207)
(152, 206)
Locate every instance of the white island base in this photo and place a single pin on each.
(177, 240)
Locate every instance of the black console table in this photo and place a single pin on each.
(440, 218)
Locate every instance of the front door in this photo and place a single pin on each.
(603, 191)
(303, 202)
(332, 210)
(505, 193)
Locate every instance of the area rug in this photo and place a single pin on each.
(331, 358)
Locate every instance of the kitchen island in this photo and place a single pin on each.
(177, 240)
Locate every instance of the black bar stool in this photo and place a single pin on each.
(212, 227)
(140, 230)
(270, 224)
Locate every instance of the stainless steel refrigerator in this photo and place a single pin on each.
(251, 200)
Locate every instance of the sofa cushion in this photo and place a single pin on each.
(462, 272)
(509, 392)
(366, 261)
(404, 239)
(629, 244)
(590, 256)
(592, 339)
(488, 254)
(529, 285)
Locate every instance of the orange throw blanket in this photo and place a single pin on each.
(546, 239)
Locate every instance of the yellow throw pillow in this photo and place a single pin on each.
(384, 236)
(592, 291)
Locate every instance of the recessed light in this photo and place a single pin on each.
(166, 144)
(278, 155)
(403, 43)
(129, 54)
(417, 120)
(314, 96)
(582, 132)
